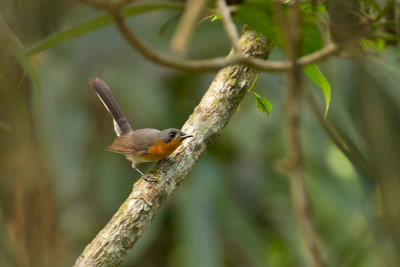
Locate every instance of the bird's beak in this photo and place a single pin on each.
(186, 136)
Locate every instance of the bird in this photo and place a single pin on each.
(141, 145)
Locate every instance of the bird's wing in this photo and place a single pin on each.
(124, 144)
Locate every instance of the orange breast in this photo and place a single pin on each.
(161, 150)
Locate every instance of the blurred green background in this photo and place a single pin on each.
(59, 187)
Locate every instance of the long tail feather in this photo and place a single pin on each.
(121, 125)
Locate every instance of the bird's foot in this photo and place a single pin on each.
(168, 159)
(150, 179)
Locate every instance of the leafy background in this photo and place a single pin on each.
(58, 187)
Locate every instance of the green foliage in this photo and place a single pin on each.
(371, 3)
(378, 44)
(311, 39)
(263, 104)
(315, 75)
(94, 24)
(319, 9)
(235, 209)
(259, 15)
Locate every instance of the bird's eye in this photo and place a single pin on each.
(172, 134)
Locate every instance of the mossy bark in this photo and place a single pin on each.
(206, 123)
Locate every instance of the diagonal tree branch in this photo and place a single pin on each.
(206, 123)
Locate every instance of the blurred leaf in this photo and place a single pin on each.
(315, 75)
(263, 104)
(372, 3)
(387, 36)
(385, 67)
(311, 38)
(18, 51)
(379, 44)
(309, 6)
(94, 24)
(259, 16)
(215, 18)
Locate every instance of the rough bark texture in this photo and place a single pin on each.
(206, 123)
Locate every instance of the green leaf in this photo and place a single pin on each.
(94, 24)
(310, 6)
(263, 104)
(215, 18)
(316, 76)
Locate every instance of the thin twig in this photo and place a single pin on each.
(290, 27)
(167, 60)
(228, 24)
(215, 63)
(186, 25)
(342, 141)
(277, 66)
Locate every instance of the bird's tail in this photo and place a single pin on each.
(121, 125)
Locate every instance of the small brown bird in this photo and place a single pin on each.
(143, 145)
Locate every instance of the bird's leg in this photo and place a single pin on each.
(148, 179)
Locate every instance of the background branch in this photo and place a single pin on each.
(342, 142)
(186, 25)
(215, 63)
(290, 25)
(206, 123)
(228, 24)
